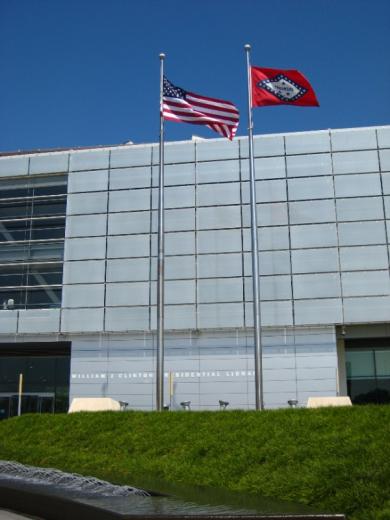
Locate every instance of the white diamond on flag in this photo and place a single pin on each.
(283, 88)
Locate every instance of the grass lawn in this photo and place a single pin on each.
(336, 459)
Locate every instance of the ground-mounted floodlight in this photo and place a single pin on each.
(223, 404)
(293, 403)
(186, 405)
(123, 405)
(9, 304)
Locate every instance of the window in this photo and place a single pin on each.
(32, 230)
(368, 371)
(45, 368)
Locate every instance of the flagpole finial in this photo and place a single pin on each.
(162, 56)
(247, 47)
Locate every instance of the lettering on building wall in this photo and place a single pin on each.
(151, 375)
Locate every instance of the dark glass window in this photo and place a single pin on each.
(15, 209)
(43, 297)
(368, 374)
(17, 296)
(32, 231)
(45, 380)
(30, 297)
(13, 253)
(13, 275)
(14, 193)
(43, 207)
(33, 187)
(44, 229)
(46, 251)
(14, 230)
(45, 274)
(54, 189)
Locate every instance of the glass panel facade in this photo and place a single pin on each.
(32, 229)
(45, 369)
(368, 373)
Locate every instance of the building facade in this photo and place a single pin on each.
(78, 268)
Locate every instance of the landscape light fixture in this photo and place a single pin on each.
(186, 405)
(223, 404)
(9, 304)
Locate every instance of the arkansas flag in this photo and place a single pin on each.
(281, 87)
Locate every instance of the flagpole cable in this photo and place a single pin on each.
(160, 261)
(255, 255)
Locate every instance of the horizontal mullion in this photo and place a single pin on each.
(32, 198)
(31, 241)
(33, 218)
(32, 263)
(30, 287)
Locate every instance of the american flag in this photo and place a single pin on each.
(186, 107)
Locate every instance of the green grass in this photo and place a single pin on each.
(336, 459)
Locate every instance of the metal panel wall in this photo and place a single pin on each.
(323, 201)
(324, 220)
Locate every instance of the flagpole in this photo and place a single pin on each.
(255, 255)
(160, 260)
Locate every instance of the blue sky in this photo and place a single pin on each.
(86, 72)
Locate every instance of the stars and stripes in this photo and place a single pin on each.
(186, 107)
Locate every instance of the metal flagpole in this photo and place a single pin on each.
(255, 254)
(160, 261)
